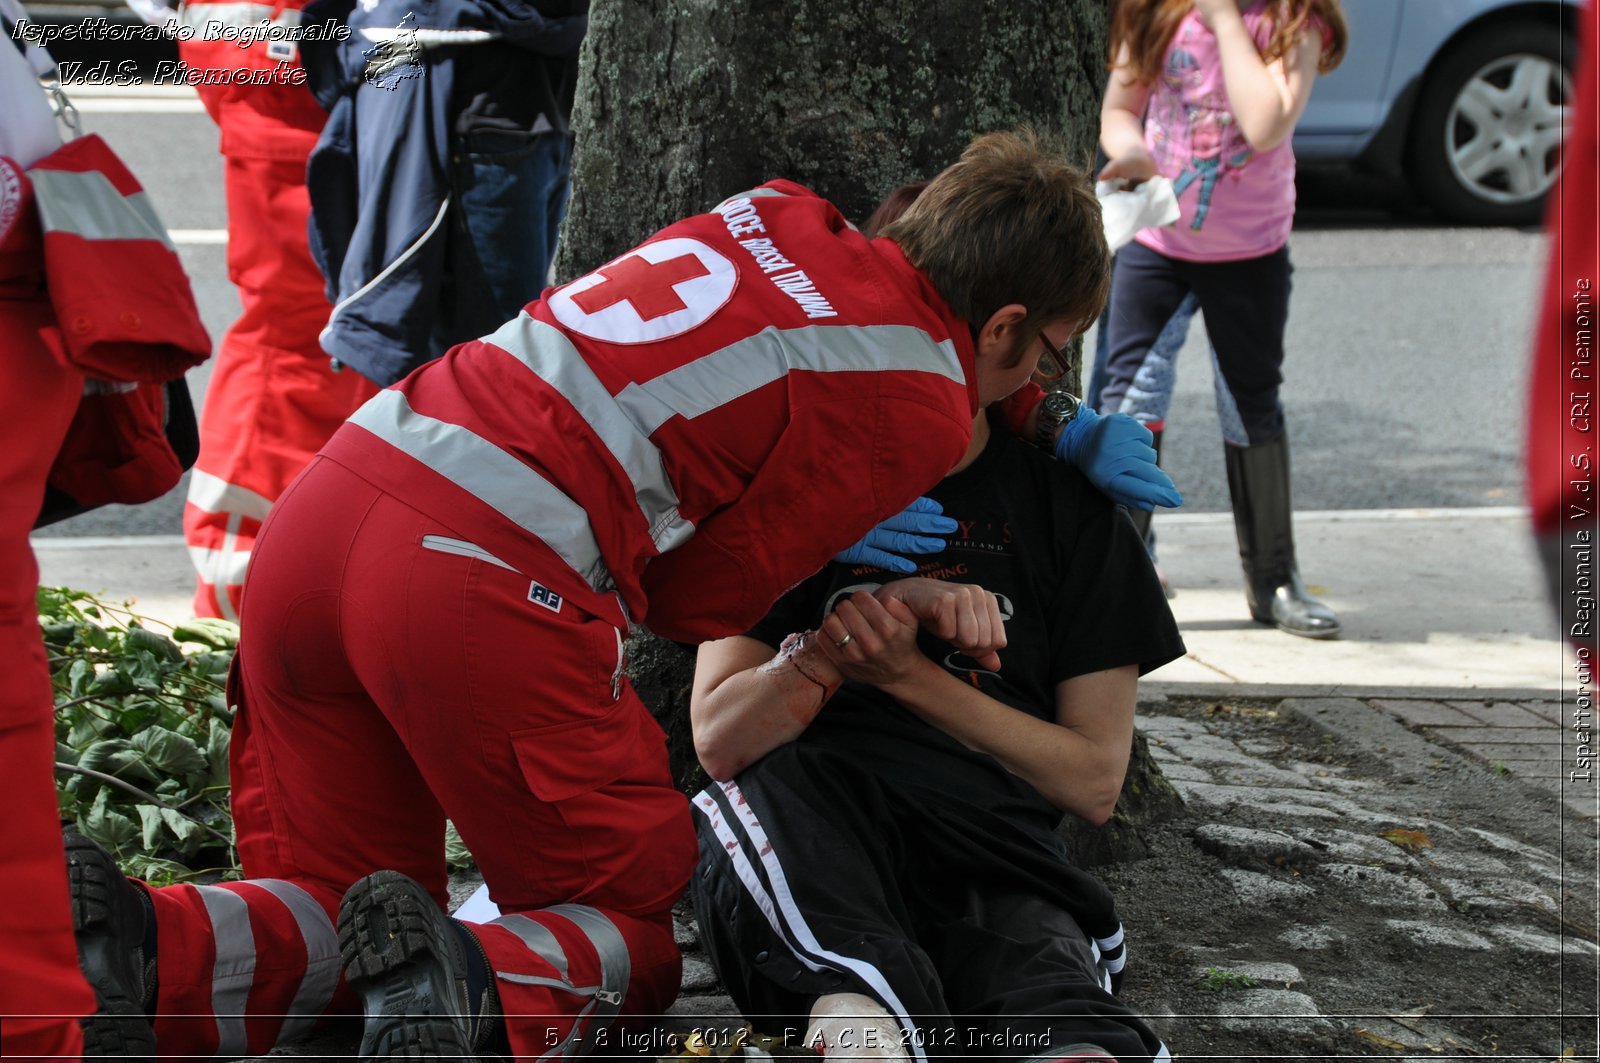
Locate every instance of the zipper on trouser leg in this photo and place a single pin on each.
(486, 1020)
(595, 993)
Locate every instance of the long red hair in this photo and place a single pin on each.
(1147, 27)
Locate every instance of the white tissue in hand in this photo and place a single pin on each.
(1127, 210)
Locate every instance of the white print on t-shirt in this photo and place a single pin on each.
(742, 219)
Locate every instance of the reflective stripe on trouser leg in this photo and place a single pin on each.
(562, 974)
(243, 966)
(273, 399)
(219, 545)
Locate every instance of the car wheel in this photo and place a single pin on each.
(1485, 145)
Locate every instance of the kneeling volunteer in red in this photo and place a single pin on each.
(437, 606)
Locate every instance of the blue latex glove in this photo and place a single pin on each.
(1115, 452)
(911, 531)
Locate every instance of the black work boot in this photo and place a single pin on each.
(109, 921)
(422, 977)
(1258, 480)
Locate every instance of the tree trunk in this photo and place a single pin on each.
(680, 106)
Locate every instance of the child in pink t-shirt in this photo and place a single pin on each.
(1207, 93)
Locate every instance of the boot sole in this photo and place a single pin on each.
(1323, 633)
(1320, 633)
(390, 933)
(118, 1036)
(119, 1029)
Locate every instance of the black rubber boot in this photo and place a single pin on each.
(1258, 480)
(412, 969)
(109, 920)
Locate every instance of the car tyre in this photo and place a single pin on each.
(1485, 141)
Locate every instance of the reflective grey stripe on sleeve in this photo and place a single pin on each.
(239, 14)
(234, 969)
(322, 956)
(89, 205)
(552, 357)
(539, 940)
(492, 475)
(749, 364)
(616, 966)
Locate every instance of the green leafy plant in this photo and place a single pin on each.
(1217, 979)
(456, 855)
(142, 728)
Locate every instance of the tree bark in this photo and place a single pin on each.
(680, 105)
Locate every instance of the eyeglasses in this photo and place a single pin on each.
(1053, 365)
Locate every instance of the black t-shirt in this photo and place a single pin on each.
(1079, 595)
(512, 91)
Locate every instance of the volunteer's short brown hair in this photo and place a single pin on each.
(1012, 222)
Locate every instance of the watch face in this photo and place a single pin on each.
(1060, 405)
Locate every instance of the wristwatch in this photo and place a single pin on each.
(1056, 411)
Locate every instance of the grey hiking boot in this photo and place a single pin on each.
(412, 969)
(108, 919)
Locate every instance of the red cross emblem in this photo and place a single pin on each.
(646, 286)
(654, 292)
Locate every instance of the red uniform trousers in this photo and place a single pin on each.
(390, 674)
(42, 991)
(273, 399)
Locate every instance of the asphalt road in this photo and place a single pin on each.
(1407, 338)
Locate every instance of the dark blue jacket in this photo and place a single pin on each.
(381, 223)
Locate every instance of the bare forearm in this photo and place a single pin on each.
(1263, 104)
(754, 711)
(1073, 772)
(1122, 126)
(1121, 131)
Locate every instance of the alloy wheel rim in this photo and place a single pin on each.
(1503, 133)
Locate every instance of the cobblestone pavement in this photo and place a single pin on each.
(1386, 890)
(1349, 878)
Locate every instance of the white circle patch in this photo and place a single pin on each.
(654, 292)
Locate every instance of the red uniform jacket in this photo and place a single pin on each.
(124, 314)
(697, 425)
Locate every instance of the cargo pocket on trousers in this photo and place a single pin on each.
(569, 766)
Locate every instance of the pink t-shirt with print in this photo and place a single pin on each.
(1236, 202)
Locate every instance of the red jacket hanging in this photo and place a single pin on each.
(125, 314)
